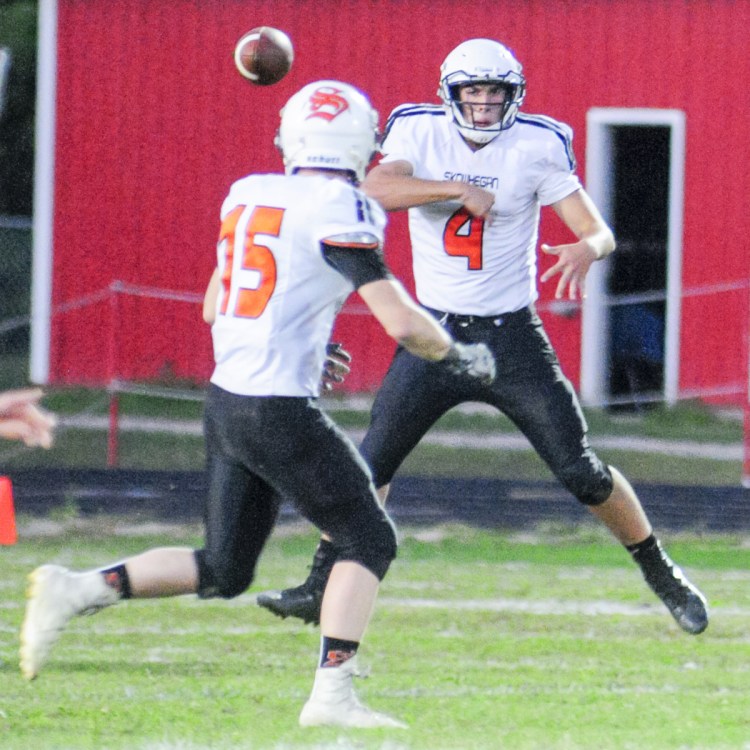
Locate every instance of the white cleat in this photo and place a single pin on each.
(55, 595)
(333, 702)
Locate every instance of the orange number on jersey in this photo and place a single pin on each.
(463, 237)
(256, 257)
(226, 234)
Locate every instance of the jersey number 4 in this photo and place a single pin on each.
(462, 237)
(250, 302)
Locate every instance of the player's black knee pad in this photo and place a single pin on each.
(588, 479)
(374, 550)
(220, 580)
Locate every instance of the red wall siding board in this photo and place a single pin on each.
(718, 121)
(710, 323)
(712, 360)
(154, 124)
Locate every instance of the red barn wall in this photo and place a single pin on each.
(153, 125)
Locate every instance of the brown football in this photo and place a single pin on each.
(264, 55)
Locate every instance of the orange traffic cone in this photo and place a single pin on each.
(8, 533)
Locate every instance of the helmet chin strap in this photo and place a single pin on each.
(477, 135)
(470, 135)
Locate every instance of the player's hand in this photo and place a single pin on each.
(473, 360)
(478, 201)
(22, 419)
(336, 366)
(572, 265)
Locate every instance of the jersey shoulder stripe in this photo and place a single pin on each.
(412, 110)
(562, 131)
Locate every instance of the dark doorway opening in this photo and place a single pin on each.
(637, 278)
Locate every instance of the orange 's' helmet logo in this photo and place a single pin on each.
(327, 102)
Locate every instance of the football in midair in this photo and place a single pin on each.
(264, 55)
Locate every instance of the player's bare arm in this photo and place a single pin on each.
(393, 186)
(595, 241)
(421, 335)
(209, 298)
(404, 321)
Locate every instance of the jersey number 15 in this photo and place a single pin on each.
(250, 302)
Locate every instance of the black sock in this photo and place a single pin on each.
(323, 561)
(335, 651)
(641, 548)
(650, 555)
(117, 578)
(326, 549)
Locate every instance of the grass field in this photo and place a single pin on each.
(181, 450)
(548, 640)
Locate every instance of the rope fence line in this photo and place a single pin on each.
(116, 386)
(558, 307)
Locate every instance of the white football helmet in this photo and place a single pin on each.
(328, 125)
(481, 61)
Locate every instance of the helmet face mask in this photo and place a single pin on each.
(476, 62)
(328, 125)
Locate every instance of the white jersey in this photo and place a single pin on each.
(278, 297)
(466, 265)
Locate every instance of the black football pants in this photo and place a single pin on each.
(530, 389)
(263, 449)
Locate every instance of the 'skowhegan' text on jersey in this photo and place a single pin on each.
(466, 265)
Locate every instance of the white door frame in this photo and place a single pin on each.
(44, 192)
(595, 323)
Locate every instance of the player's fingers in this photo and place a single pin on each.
(336, 350)
(13, 400)
(15, 429)
(563, 283)
(35, 417)
(578, 287)
(573, 288)
(551, 271)
(39, 439)
(335, 367)
(479, 202)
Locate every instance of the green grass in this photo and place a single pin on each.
(178, 452)
(429, 460)
(451, 648)
(691, 421)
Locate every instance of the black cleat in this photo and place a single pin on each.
(302, 601)
(683, 600)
